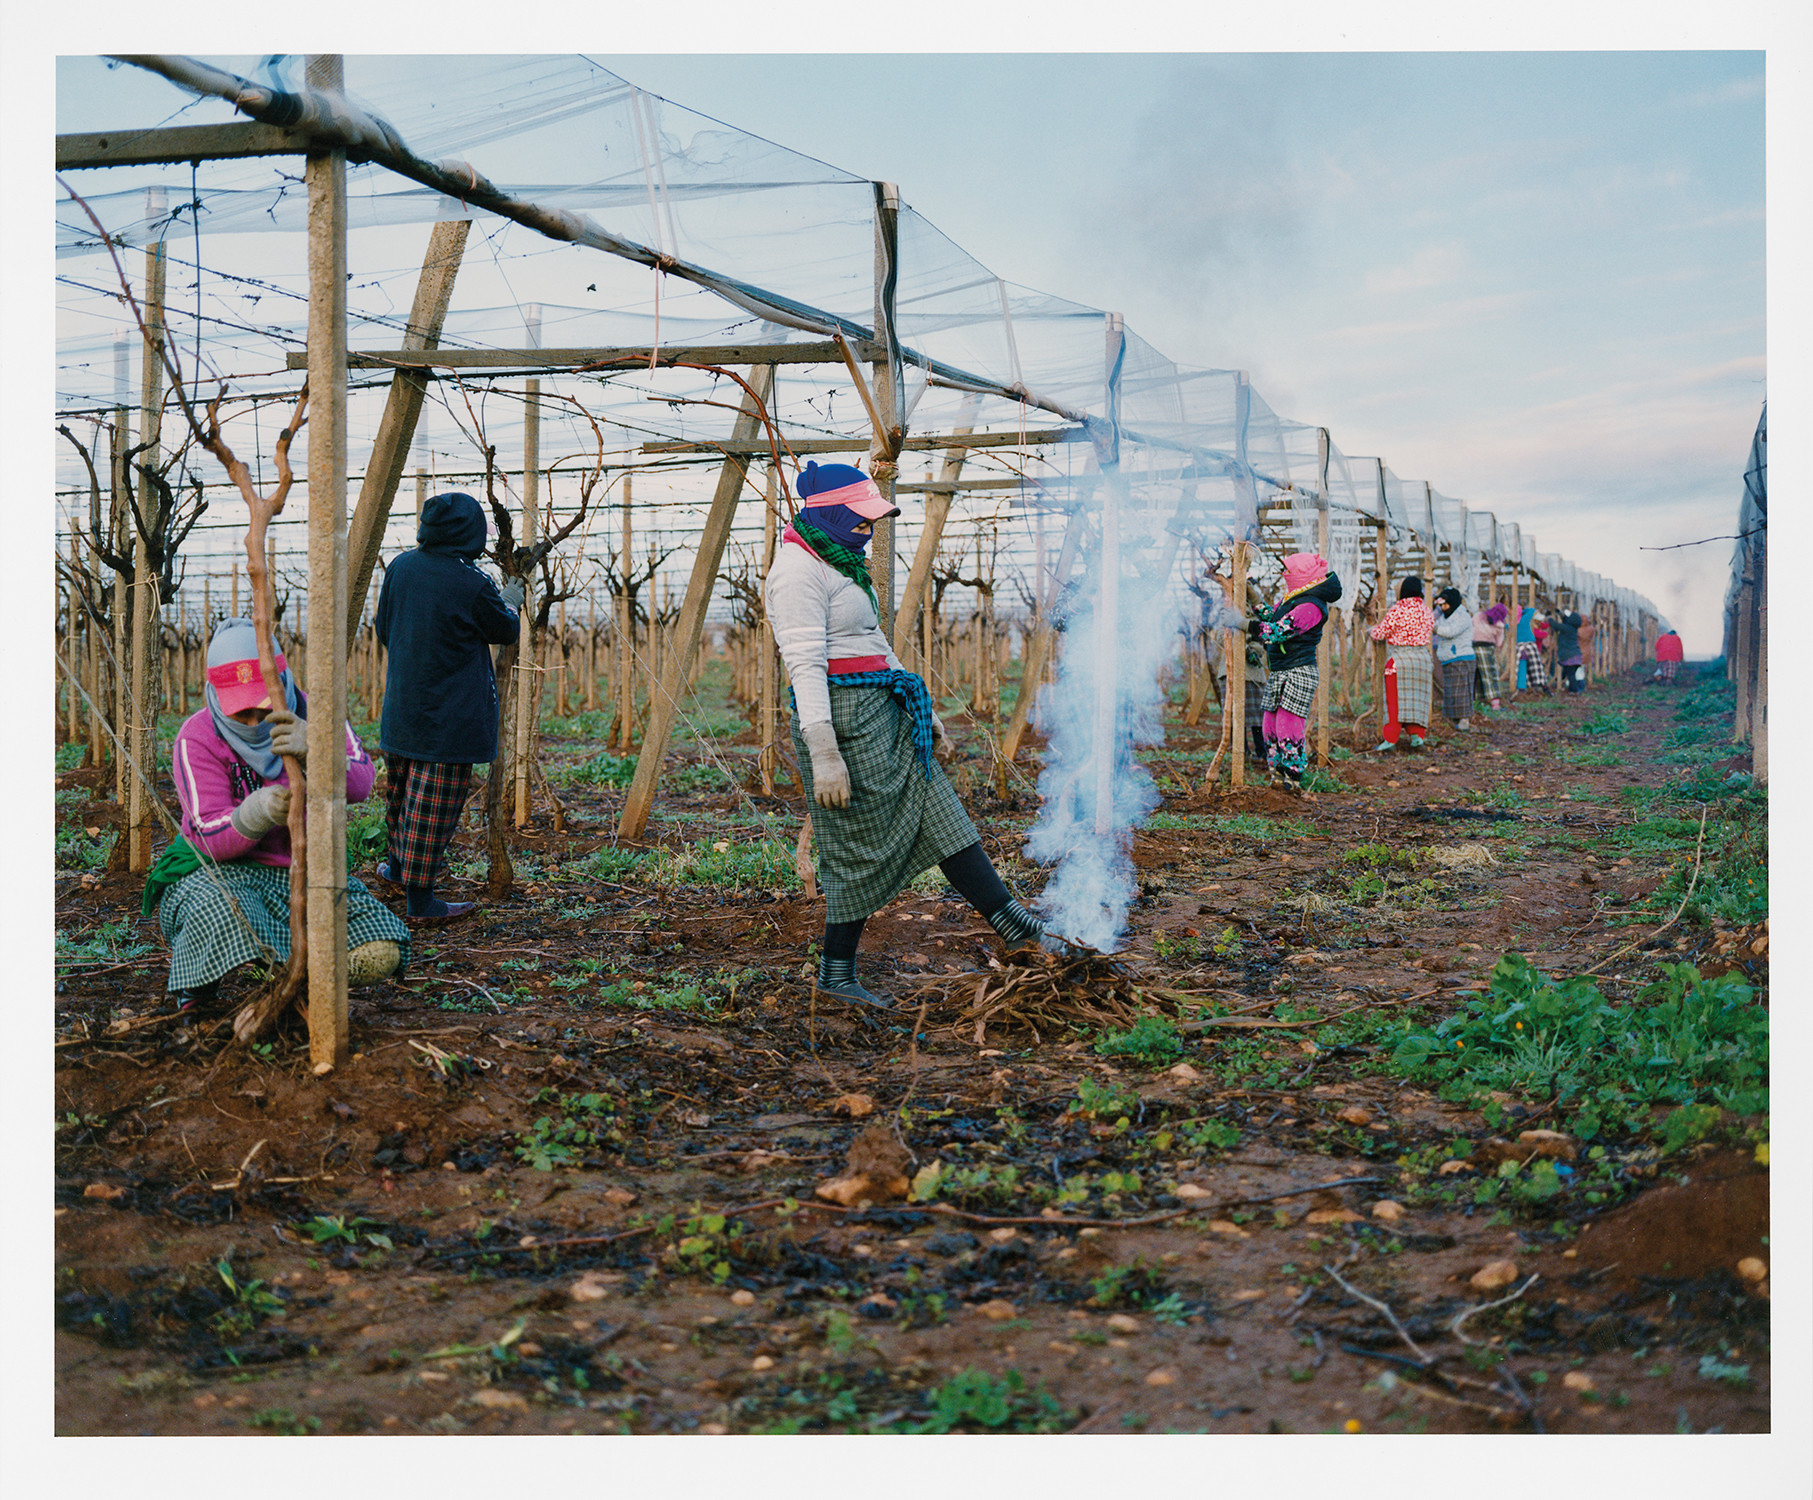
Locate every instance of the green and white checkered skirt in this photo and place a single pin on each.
(222, 916)
(902, 818)
(1485, 665)
(1416, 683)
(1292, 689)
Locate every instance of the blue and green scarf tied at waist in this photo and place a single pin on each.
(908, 687)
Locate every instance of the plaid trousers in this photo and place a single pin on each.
(422, 806)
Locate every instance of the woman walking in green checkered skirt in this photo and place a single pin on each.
(866, 735)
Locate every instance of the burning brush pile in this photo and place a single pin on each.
(1044, 994)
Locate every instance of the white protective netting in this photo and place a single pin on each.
(761, 245)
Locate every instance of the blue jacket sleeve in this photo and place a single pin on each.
(495, 621)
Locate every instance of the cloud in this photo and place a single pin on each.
(1432, 266)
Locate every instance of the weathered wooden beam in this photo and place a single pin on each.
(676, 669)
(1036, 437)
(416, 357)
(328, 1032)
(937, 508)
(402, 410)
(176, 143)
(1038, 646)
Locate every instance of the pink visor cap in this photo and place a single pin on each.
(233, 667)
(864, 498)
(240, 685)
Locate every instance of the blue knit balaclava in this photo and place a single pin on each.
(838, 522)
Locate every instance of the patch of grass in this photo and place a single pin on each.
(111, 942)
(1606, 721)
(560, 1139)
(1316, 779)
(603, 769)
(700, 776)
(764, 864)
(1504, 798)
(973, 1401)
(1151, 1039)
(366, 839)
(1689, 1041)
(1594, 755)
(1380, 857)
(70, 756)
(619, 865)
(1253, 826)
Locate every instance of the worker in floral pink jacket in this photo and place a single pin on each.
(1407, 629)
(221, 890)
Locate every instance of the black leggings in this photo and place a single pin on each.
(969, 871)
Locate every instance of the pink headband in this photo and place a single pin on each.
(864, 498)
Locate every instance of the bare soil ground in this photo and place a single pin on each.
(567, 1183)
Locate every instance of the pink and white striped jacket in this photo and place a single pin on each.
(211, 781)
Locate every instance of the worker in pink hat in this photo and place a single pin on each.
(866, 735)
(221, 890)
(1291, 630)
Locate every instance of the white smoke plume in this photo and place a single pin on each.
(1088, 895)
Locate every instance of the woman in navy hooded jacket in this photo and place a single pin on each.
(438, 618)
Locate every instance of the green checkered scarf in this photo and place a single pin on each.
(846, 560)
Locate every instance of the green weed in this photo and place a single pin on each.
(1692, 1041)
(603, 769)
(975, 1401)
(560, 1139)
(1150, 1039)
(1606, 721)
(69, 756)
(109, 943)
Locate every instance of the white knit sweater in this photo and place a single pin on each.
(818, 616)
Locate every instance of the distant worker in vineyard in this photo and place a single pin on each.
(1567, 650)
(438, 617)
(1406, 630)
(1669, 656)
(1291, 630)
(1488, 636)
(1532, 675)
(865, 733)
(1454, 654)
(221, 891)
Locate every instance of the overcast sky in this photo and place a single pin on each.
(1533, 279)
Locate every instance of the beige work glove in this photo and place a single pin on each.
(830, 776)
(942, 748)
(289, 735)
(265, 809)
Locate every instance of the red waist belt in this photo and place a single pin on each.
(840, 666)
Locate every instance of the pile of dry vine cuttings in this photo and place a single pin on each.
(1037, 992)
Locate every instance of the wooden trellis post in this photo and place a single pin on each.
(1037, 650)
(402, 411)
(626, 627)
(1235, 646)
(766, 686)
(665, 700)
(1324, 686)
(937, 511)
(325, 174)
(122, 545)
(527, 664)
(147, 647)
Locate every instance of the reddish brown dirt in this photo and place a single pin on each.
(502, 1298)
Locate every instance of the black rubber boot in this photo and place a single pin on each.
(201, 994)
(837, 976)
(1016, 924)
